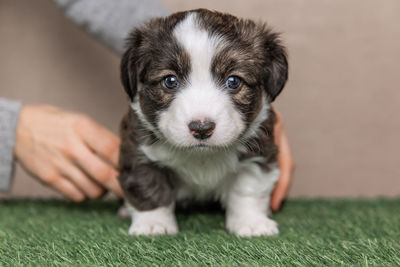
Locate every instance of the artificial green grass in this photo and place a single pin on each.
(313, 232)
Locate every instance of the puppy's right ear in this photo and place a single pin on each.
(129, 64)
(128, 78)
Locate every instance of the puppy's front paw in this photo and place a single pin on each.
(248, 227)
(153, 228)
(153, 222)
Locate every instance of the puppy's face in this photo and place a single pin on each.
(202, 78)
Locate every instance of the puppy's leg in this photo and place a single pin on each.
(248, 202)
(153, 222)
(150, 197)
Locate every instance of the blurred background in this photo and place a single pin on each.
(341, 105)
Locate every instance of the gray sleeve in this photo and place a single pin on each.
(110, 21)
(9, 111)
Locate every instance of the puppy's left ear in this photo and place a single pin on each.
(276, 66)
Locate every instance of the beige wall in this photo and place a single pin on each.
(341, 105)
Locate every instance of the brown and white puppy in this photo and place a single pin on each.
(200, 124)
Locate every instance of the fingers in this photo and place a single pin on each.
(49, 145)
(98, 170)
(82, 181)
(281, 189)
(286, 167)
(100, 140)
(67, 188)
(285, 162)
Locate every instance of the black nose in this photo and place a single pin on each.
(201, 129)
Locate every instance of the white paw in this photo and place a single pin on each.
(153, 228)
(248, 227)
(159, 221)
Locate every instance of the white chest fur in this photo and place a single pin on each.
(201, 172)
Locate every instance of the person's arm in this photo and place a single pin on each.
(110, 21)
(9, 111)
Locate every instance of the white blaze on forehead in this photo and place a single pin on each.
(198, 44)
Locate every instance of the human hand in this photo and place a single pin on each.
(286, 164)
(68, 151)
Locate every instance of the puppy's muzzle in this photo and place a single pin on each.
(201, 129)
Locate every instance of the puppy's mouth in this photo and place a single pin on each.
(205, 147)
(188, 143)
(201, 145)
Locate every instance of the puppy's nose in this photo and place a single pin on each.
(201, 129)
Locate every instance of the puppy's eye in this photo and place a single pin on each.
(233, 83)
(171, 82)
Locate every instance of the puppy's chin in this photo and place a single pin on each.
(201, 146)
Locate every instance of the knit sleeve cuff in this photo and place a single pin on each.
(9, 112)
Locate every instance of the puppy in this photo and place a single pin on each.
(200, 123)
